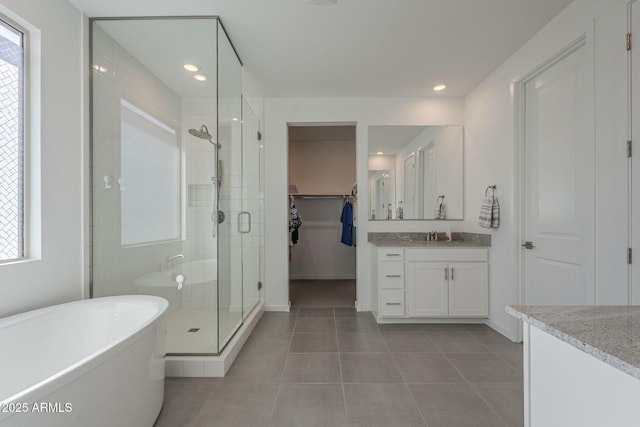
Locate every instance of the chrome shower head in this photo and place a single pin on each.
(203, 133)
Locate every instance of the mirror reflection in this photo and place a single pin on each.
(416, 172)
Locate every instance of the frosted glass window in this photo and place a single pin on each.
(11, 143)
(150, 178)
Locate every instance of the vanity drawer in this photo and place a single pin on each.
(391, 275)
(392, 302)
(390, 254)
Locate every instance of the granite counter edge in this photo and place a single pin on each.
(599, 354)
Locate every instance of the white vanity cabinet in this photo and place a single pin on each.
(432, 282)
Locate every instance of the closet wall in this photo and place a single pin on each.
(322, 163)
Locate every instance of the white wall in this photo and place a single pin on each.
(57, 275)
(488, 116)
(490, 150)
(322, 167)
(363, 112)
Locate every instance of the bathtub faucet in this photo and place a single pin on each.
(170, 262)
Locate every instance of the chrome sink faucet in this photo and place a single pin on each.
(170, 262)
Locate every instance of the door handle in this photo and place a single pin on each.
(451, 273)
(528, 245)
(248, 214)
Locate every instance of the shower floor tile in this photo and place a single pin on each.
(203, 324)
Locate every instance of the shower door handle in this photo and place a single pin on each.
(248, 230)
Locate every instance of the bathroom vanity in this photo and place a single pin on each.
(415, 280)
(581, 365)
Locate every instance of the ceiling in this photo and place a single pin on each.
(392, 139)
(360, 48)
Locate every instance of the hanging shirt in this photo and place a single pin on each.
(347, 224)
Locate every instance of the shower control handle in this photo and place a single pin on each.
(248, 230)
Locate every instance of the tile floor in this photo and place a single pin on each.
(333, 366)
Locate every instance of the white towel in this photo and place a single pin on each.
(489, 210)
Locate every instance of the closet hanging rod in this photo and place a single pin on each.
(320, 196)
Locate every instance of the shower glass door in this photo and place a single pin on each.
(229, 134)
(251, 226)
(169, 214)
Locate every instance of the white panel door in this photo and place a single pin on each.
(559, 183)
(635, 161)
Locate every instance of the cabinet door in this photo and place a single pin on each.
(468, 289)
(427, 293)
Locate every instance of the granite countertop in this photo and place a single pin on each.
(419, 239)
(608, 333)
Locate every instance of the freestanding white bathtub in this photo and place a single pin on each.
(96, 362)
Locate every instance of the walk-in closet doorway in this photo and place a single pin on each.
(322, 215)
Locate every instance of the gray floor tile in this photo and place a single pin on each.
(484, 368)
(309, 405)
(256, 368)
(513, 359)
(409, 342)
(183, 399)
(452, 405)
(322, 293)
(349, 312)
(271, 343)
(400, 327)
(350, 342)
(457, 342)
(444, 327)
(384, 405)
(312, 368)
(315, 324)
(275, 323)
(315, 312)
(314, 342)
(237, 405)
(369, 368)
(506, 399)
(260, 389)
(356, 324)
(426, 368)
(496, 342)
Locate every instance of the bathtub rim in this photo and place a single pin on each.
(84, 365)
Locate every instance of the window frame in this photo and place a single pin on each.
(26, 139)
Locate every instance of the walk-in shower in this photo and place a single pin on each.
(157, 187)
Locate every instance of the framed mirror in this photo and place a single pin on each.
(416, 172)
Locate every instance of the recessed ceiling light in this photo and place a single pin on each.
(438, 88)
(100, 68)
(191, 67)
(380, 153)
(235, 119)
(200, 77)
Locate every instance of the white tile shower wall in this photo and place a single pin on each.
(200, 169)
(115, 267)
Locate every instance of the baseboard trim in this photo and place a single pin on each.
(276, 308)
